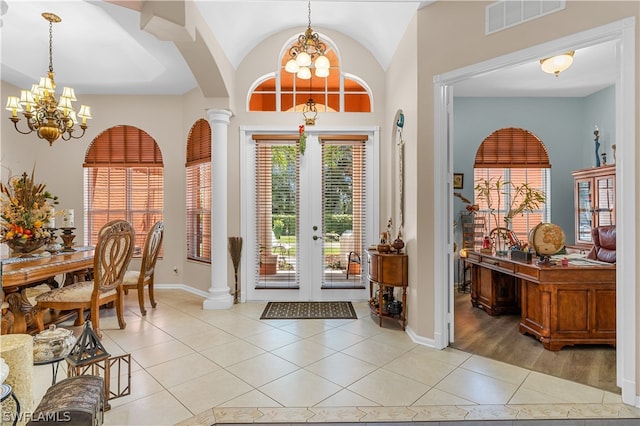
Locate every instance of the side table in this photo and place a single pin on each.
(55, 364)
(5, 392)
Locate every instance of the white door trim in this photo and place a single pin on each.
(627, 277)
(247, 175)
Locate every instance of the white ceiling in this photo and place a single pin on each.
(98, 48)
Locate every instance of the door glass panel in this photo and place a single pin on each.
(606, 202)
(343, 201)
(584, 210)
(277, 203)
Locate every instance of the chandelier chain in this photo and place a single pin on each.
(50, 46)
(309, 7)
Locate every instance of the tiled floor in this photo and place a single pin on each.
(196, 367)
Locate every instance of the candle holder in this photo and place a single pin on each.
(67, 237)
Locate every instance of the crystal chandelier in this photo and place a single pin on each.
(307, 53)
(49, 118)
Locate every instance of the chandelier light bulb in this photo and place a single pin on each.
(291, 66)
(303, 59)
(322, 72)
(322, 62)
(304, 73)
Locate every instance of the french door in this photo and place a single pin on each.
(308, 217)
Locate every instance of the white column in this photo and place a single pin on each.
(219, 294)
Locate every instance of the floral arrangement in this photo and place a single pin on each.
(26, 210)
(303, 139)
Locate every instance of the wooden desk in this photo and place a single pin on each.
(18, 274)
(558, 305)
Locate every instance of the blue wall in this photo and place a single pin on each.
(564, 125)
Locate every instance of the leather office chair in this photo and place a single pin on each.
(604, 244)
(137, 279)
(112, 255)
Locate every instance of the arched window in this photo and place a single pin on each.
(517, 156)
(199, 192)
(123, 179)
(283, 91)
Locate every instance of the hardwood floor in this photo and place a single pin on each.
(498, 338)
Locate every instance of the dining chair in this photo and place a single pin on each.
(138, 279)
(112, 254)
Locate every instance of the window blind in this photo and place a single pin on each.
(198, 203)
(512, 148)
(344, 212)
(123, 179)
(277, 203)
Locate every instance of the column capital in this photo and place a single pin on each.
(219, 116)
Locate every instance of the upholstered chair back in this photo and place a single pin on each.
(604, 244)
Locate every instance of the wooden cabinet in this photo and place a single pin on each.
(595, 201)
(386, 273)
(493, 288)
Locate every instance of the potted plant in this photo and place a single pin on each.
(522, 198)
(268, 262)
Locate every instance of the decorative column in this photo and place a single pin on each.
(219, 294)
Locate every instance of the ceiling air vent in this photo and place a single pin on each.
(508, 13)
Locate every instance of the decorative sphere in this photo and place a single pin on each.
(547, 239)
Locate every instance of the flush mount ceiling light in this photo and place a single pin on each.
(308, 52)
(557, 64)
(45, 115)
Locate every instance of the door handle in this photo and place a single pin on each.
(315, 237)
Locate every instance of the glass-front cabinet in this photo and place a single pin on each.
(595, 200)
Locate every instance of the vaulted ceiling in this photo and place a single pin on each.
(99, 48)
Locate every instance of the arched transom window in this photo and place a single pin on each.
(285, 92)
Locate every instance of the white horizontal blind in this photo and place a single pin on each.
(344, 212)
(277, 203)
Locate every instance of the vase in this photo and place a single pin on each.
(21, 247)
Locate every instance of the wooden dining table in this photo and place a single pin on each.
(19, 274)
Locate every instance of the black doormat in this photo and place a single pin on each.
(309, 310)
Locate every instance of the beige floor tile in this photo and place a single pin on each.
(181, 370)
(129, 340)
(335, 414)
(563, 389)
(439, 413)
(262, 369)
(303, 352)
(158, 409)
(341, 369)
(374, 352)
(142, 385)
(306, 328)
(272, 339)
(390, 389)
(438, 397)
(354, 371)
(210, 339)
(496, 369)
(337, 339)
(209, 390)
(232, 353)
(299, 389)
(252, 398)
(477, 387)
(162, 352)
(346, 398)
(418, 365)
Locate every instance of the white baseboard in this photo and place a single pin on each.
(181, 287)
